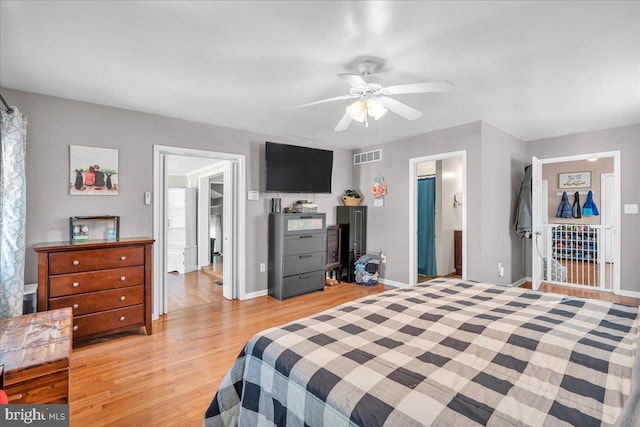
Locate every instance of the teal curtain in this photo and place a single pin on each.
(13, 138)
(427, 227)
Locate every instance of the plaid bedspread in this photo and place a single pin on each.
(447, 352)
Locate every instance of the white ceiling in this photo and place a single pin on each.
(532, 69)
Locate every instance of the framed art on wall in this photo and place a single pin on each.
(93, 171)
(574, 180)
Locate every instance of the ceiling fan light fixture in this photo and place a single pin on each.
(359, 110)
(375, 108)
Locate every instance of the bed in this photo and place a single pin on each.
(446, 352)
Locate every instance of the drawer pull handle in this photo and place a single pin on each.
(75, 306)
(75, 327)
(305, 256)
(306, 237)
(122, 298)
(123, 278)
(76, 262)
(75, 284)
(122, 258)
(122, 318)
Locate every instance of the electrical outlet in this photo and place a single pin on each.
(263, 267)
(500, 270)
(631, 209)
(383, 257)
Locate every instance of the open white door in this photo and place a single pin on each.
(229, 208)
(536, 222)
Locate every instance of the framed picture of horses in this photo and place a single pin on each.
(93, 171)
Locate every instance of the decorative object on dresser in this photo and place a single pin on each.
(107, 284)
(35, 354)
(110, 230)
(353, 220)
(334, 242)
(297, 245)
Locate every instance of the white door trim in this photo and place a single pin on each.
(238, 285)
(413, 210)
(616, 214)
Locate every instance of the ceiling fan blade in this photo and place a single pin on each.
(420, 88)
(322, 101)
(355, 80)
(344, 123)
(399, 108)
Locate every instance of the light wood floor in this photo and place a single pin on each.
(170, 377)
(585, 293)
(196, 287)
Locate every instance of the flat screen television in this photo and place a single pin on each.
(294, 169)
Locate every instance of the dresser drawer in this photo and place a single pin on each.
(71, 284)
(96, 259)
(107, 320)
(303, 243)
(100, 301)
(303, 283)
(297, 264)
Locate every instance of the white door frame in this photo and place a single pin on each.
(607, 219)
(413, 210)
(236, 262)
(617, 232)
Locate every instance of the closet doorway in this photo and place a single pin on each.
(437, 216)
(576, 221)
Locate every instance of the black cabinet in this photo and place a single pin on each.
(353, 222)
(297, 254)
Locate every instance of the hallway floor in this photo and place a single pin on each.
(197, 287)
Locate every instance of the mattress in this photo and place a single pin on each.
(445, 352)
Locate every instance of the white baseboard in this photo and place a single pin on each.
(632, 294)
(393, 283)
(255, 294)
(517, 283)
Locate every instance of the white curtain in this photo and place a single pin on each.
(13, 197)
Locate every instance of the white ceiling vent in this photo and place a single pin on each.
(367, 157)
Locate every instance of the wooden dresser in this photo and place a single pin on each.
(34, 350)
(457, 251)
(107, 284)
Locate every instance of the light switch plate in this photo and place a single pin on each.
(253, 195)
(147, 197)
(631, 209)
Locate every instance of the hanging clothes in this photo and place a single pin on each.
(576, 212)
(523, 215)
(589, 208)
(564, 209)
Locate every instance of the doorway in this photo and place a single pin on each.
(437, 216)
(232, 238)
(576, 221)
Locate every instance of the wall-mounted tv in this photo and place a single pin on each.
(294, 169)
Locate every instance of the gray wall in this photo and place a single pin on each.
(494, 159)
(56, 123)
(503, 160)
(627, 141)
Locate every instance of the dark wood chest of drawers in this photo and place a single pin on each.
(107, 284)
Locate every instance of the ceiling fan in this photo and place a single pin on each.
(373, 97)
